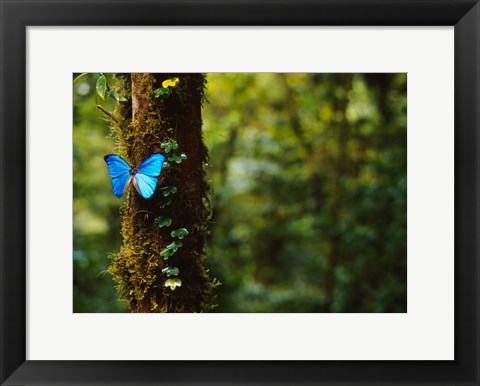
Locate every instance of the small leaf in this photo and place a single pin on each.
(178, 158)
(170, 271)
(176, 244)
(170, 145)
(166, 167)
(165, 203)
(114, 95)
(172, 82)
(167, 190)
(162, 92)
(166, 146)
(118, 98)
(163, 221)
(173, 283)
(170, 249)
(102, 86)
(180, 233)
(166, 253)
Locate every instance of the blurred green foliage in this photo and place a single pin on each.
(96, 211)
(309, 178)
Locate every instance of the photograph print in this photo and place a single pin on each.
(239, 192)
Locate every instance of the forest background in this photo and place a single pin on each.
(309, 181)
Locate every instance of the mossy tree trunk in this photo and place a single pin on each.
(145, 122)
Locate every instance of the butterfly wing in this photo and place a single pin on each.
(119, 171)
(152, 166)
(145, 185)
(146, 178)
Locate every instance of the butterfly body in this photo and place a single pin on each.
(144, 177)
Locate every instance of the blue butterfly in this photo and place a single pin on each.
(144, 178)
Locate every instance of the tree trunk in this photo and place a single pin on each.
(145, 123)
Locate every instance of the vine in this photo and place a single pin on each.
(165, 222)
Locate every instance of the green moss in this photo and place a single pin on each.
(145, 123)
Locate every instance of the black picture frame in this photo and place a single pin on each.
(16, 15)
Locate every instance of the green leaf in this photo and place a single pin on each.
(173, 283)
(118, 98)
(163, 221)
(170, 249)
(162, 92)
(170, 145)
(165, 203)
(170, 271)
(178, 158)
(167, 190)
(102, 86)
(114, 95)
(180, 233)
(166, 253)
(176, 244)
(166, 167)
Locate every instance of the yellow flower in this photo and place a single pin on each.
(173, 283)
(170, 82)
